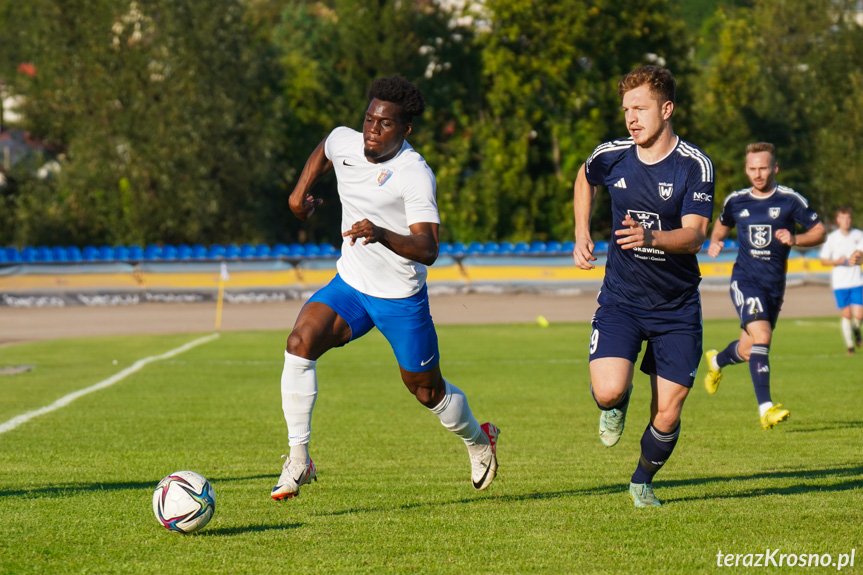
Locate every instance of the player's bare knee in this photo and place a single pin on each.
(608, 397)
(299, 344)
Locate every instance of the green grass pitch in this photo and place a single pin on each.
(394, 493)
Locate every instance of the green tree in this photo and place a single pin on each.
(162, 108)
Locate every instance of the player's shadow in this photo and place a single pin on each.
(851, 479)
(63, 490)
(854, 477)
(826, 426)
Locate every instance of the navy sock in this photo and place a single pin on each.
(759, 369)
(620, 405)
(729, 355)
(656, 448)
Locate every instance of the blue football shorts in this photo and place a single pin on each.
(849, 296)
(405, 322)
(673, 338)
(754, 303)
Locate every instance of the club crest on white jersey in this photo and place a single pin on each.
(761, 235)
(383, 176)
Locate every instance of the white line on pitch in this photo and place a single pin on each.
(67, 399)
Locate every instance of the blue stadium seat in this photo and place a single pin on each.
(169, 252)
(553, 248)
(458, 249)
(600, 247)
(121, 253)
(2, 256)
(521, 248)
(445, 249)
(136, 253)
(505, 248)
(731, 245)
(44, 254)
(152, 252)
(106, 253)
(59, 254)
(537, 247)
(328, 251)
(73, 254)
(311, 250)
(491, 248)
(89, 253)
(28, 254)
(296, 250)
(199, 252)
(475, 248)
(567, 247)
(246, 251)
(279, 250)
(263, 251)
(216, 251)
(231, 251)
(13, 255)
(184, 252)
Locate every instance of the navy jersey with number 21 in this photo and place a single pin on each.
(657, 196)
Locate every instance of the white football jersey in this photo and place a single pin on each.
(838, 246)
(393, 195)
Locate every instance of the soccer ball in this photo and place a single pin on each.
(184, 502)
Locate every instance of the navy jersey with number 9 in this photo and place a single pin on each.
(657, 196)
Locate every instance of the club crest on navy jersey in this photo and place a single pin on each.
(383, 176)
(774, 212)
(665, 190)
(760, 236)
(648, 220)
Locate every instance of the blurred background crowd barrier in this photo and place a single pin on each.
(127, 275)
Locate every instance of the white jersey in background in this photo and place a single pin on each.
(393, 195)
(839, 245)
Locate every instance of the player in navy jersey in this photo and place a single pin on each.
(661, 190)
(766, 216)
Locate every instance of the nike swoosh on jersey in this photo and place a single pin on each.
(345, 162)
(424, 363)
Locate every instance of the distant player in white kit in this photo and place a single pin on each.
(841, 250)
(387, 192)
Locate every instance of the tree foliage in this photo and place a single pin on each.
(173, 121)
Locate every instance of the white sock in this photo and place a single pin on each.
(713, 363)
(763, 407)
(847, 332)
(455, 414)
(299, 391)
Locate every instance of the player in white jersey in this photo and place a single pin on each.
(390, 228)
(841, 251)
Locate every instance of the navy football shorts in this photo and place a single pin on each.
(673, 338)
(405, 322)
(753, 303)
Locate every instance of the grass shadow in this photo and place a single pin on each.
(222, 531)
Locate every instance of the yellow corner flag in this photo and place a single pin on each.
(223, 277)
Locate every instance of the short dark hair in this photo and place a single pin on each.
(660, 81)
(844, 209)
(399, 91)
(757, 147)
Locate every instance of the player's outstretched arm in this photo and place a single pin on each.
(688, 239)
(811, 237)
(717, 239)
(583, 197)
(421, 245)
(301, 201)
